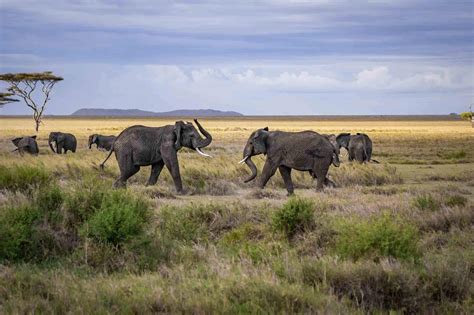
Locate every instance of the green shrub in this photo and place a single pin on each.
(296, 215)
(377, 237)
(119, 218)
(22, 177)
(188, 224)
(49, 201)
(17, 232)
(245, 241)
(84, 201)
(426, 202)
(456, 201)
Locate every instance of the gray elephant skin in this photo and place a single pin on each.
(302, 151)
(26, 144)
(359, 146)
(156, 146)
(64, 142)
(102, 142)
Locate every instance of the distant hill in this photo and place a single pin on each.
(143, 113)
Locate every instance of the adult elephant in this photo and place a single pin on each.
(102, 142)
(156, 146)
(26, 144)
(63, 141)
(302, 151)
(359, 146)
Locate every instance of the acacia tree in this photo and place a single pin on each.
(24, 85)
(5, 98)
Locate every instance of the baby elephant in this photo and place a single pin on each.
(63, 141)
(26, 144)
(102, 142)
(359, 146)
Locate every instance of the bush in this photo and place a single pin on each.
(17, 232)
(296, 215)
(426, 202)
(22, 177)
(49, 201)
(187, 224)
(456, 201)
(119, 218)
(378, 237)
(466, 116)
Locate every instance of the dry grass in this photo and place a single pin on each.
(216, 249)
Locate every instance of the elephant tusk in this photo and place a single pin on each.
(245, 159)
(202, 153)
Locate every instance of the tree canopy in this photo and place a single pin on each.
(5, 98)
(24, 85)
(34, 76)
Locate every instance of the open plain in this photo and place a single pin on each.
(398, 235)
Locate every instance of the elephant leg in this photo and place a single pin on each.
(286, 175)
(171, 161)
(125, 174)
(155, 173)
(329, 183)
(268, 171)
(320, 172)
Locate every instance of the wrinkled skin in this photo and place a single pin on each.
(102, 142)
(285, 151)
(156, 146)
(332, 139)
(63, 141)
(26, 144)
(358, 146)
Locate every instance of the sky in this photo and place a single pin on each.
(261, 57)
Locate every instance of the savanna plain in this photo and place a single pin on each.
(395, 236)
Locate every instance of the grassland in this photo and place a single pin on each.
(395, 236)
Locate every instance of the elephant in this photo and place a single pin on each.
(359, 146)
(63, 141)
(26, 144)
(156, 146)
(102, 142)
(302, 151)
(332, 139)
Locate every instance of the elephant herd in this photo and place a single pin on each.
(138, 146)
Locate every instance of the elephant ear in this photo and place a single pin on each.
(16, 141)
(94, 138)
(33, 137)
(178, 128)
(60, 138)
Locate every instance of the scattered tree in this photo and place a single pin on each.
(24, 85)
(466, 116)
(5, 98)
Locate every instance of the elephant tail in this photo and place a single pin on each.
(102, 166)
(335, 159)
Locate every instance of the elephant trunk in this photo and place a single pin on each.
(253, 169)
(50, 142)
(90, 142)
(208, 138)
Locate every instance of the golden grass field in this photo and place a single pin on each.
(226, 254)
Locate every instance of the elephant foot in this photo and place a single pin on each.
(289, 194)
(119, 184)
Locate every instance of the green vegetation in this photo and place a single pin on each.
(390, 238)
(376, 238)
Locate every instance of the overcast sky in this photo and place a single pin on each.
(256, 57)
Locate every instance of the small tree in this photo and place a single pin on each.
(24, 85)
(5, 98)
